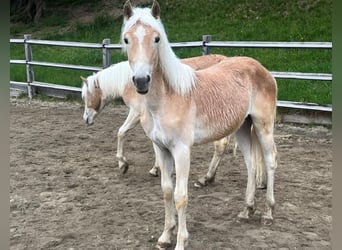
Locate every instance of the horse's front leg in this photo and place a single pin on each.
(220, 147)
(181, 154)
(131, 121)
(166, 163)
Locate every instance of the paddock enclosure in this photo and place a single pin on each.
(66, 191)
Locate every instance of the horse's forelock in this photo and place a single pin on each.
(145, 16)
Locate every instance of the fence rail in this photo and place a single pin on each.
(292, 45)
(206, 44)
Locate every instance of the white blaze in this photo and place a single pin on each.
(141, 68)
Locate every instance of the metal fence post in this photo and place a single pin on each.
(106, 58)
(206, 39)
(29, 68)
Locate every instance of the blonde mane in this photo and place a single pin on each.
(179, 76)
(111, 80)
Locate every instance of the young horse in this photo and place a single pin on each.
(114, 81)
(184, 107)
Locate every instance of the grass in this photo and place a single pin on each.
(264, 20)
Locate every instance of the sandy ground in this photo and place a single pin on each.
(66, 191)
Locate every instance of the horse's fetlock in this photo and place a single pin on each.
(270, 204)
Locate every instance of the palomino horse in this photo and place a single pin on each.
(184, 107)
(114, 81)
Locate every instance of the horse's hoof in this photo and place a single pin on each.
(262, 186)
(246, 214)
(154, 172)
(199, 184)
(123, 167)
(204, 181)
(266, 220)
(163, 245)
(241, 218)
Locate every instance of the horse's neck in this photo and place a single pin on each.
(112, 87)
(158, 91)
(162, 96)
(179, 76)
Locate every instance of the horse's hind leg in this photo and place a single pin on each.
(264, 126)
(264, 132)
(220, 147)
(243, 137)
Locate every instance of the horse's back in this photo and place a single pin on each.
(202, 62)
(240, 76)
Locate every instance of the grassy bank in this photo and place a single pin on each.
(225, 20)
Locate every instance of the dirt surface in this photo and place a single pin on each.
(66, 191)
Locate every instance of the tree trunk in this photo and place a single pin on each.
(27, 10)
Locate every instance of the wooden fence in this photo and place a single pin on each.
(206, 44)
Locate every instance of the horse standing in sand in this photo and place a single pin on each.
(115, 81)
(183, 107)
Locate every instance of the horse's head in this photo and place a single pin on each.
(141, 39)
(92, 96)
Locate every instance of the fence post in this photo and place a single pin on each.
(29, 68)
(106, 58)
(206, 39)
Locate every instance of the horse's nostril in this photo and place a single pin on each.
(133, 78)
(148, 78)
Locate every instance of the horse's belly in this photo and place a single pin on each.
(216, 128)
(206, 135)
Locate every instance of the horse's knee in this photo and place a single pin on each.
(181, 201)
(120, 134)
(167, 193)
(221, 145)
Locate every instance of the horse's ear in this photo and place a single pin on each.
(155, 9)
(84, 80)
(127, 10)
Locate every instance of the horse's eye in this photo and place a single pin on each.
(157, 39)
(126, 40)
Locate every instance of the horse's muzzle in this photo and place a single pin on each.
(89, 121)
(142, 84)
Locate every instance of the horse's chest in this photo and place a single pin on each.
(156, 131)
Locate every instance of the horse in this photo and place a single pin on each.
(113, 82)
(184, 107)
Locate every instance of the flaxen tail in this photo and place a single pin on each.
(258, 162)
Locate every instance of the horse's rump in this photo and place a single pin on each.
(227, 92)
